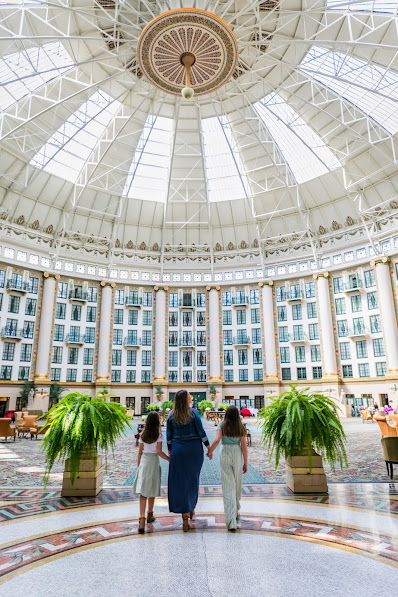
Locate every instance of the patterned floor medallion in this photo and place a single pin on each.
(171, 35)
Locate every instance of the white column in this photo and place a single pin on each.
(388, 314)
(105, 331)
(271, 367)
(329, 362)
(214, 333)
(46, 326)
(160, 334)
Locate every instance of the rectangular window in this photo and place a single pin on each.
(74, 333)
(28, 329)
(60, 311)
(242, 356)
(280, 294)
(2, 278)
(369, 278)
(227, 317)
(88, 356)
(258, 374)
(55, 374)
(130, 376)
(372, 301)
(76, 313)
(226, 299)
(17, 281)
(33, 285)
(87, 375)
(11, 326)
(362, 349)
(201, 358)
(295, 291)
(345, 351)
(118, 316)
(375, 324)
(57, 355)
(26, 352)
(315, 353)
(173, 376)
(71, 375)
(92, 294)
(298, 332)
(30, 307)
(342, 328)
(147, 317)
(241, 316)
(23, 373)
(381, 369)
(62, 290)
(147, 299)
(119, 297)
(73, 355)
(356, 303)
(8, 351)
(187, 318)
(257, 356)
(201, 299)
(173, 299)
(173, 339)
(201, 338)
(229, 375)
(13, 304)
(378, 347)
(243, 375)
(131, 358)
(309, 289)
(286, 374)
(173, 319)
(173, 358)
(317, 372)
(228, 357)
(6, 372)
(359, 325)
(116, 375)
(227, 336)
(297, 312)
(283, 334)
(285, 354)
(240, 297)
(146, 337)
(118, 337)
(133, 317)
(145, 376)
(340, 306)
(187, 376)
(187, 339)
(313, 331)
(363, 369)
(311, 311)
(201, 318)
(1, 300)
(282, 313)
(256, 336)
(201, 376)
(146, 358)
(116, 358)
(301, 373)
(300, 354)
(89, 335)
(254, 297)
(338, 285)
(255, 315)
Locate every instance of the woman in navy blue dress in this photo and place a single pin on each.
(185, 435)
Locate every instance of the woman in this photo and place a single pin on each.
(185, 435)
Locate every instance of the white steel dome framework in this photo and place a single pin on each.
(296, 152)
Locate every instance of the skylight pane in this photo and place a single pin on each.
(149, 172)
(389, 6)
(23, 72)
(304, 151)
(372, 88)
(67, 150)
(226, 179)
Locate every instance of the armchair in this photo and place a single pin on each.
(6, 430)
(386, 430)
(390, 451)
(28, 423)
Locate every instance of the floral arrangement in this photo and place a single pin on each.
(231, 246)
(155, 247)
(335, 225)
(118, 243)
(20, 220)
(255, 243)
(349, 221)
(217, 247)
(322, 229)
(49, 229)
(243, 244)
(35, 225)
(130, 244)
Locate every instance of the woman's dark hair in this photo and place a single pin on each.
(232, 426)
(181, 409)
(152, 428)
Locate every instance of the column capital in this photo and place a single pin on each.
(52, 275)
(164, 288)
(265, 283)
(105, 283)
(213, 287)
(320, 275)
(380, 261)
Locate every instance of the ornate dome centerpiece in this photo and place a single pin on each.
(187, 50)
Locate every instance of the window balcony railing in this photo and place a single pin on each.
(293, 296)
(78, 295)
(13, 333)
(240, 301)
(133, 301)
(242, 341)
(132, 341)
(187, 303)
(187, 342)
(74, 339)
(357, 332)
(298, 338)
(353, 286)
(17, 286)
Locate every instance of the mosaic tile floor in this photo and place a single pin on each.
(22, 462)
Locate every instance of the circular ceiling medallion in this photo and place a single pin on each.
(170, 37)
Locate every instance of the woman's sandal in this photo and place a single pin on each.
(141, 525)
(150, 517)
(192, 514)
(185, 523)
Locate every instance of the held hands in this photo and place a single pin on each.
(209, 454)
(244, 467)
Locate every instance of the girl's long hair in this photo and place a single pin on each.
(152, 428)
(232, 426)
(181, 409)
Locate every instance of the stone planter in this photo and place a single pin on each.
(299, 477)
(89, 480)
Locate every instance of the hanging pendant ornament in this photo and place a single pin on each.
(187, 51)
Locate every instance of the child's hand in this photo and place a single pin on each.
(245, 468)
(209, 454)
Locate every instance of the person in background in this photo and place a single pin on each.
(353, 410)
(147, 480)
(232, 433)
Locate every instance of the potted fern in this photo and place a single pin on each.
(304, 428)
(79, 426)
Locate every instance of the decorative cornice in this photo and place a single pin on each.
(164, 288)
(213, 287)
(52, 275)
(320, 275)
(380, 261)
(107, 283)
(265, 283)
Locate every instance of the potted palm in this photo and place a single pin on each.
(304, 428)
(79, 426)
(204, 405)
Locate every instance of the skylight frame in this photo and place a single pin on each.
(375, 6)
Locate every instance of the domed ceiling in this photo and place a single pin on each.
(297, 149)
